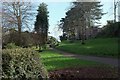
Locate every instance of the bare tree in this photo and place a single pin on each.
(16, 14)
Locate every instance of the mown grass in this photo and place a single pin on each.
(107, 47)
(54, 61)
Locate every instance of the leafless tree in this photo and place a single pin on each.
(16, 14)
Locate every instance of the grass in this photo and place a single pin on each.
(54, 61)
(107, 47)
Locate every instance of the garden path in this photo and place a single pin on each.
(110, 61)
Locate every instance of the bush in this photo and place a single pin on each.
(22, 64)
(111, 30)
(11, 46)
(53, 42)
(27, 39)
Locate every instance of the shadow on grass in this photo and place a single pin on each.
(53, 63)
(58, 66)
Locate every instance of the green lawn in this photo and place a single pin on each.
(54, 61)
(107, 47)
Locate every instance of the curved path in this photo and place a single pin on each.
(110, 61)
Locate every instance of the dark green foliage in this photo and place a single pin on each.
(13, 37)
(110, 30)
(41, 25)
(63, 37)
(27, 40)
(52, 41)
(22, 64)
(11, 46)
(80, 15)
(42, 19)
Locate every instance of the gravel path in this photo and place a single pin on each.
(110, 61)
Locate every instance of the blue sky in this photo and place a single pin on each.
(57, 11)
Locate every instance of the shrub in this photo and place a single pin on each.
(27, 39)
(11, 46)
(110, 30)
(22, 64)
(53, 42)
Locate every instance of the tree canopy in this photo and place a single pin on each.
(79, 17)
(41, 24)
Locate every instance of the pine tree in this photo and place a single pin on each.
(41, 25)
(79, 16)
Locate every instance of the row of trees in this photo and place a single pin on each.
(18, 15)
(78, 18)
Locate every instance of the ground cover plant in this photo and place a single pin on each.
(106, 47)
(85, 73)
(22, 64)
(67, 68)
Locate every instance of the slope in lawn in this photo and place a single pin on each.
(107, 47)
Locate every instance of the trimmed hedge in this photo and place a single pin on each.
(22, 64)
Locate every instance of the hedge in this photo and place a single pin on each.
(22, 64)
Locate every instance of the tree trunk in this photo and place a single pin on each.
(19, 30)
(39, 47)
(83, 33)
